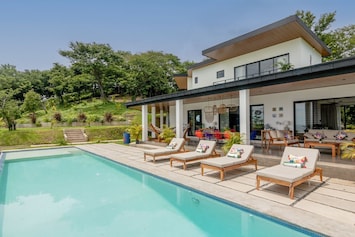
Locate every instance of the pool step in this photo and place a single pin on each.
(75, 135)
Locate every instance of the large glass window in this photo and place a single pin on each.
(281, 62)
(230, 120)
(195, 121)
(256, 121)
(263, 67)
(253, 69)
(240, 73)
(266, 66)
(324, 114)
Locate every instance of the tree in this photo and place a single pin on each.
(59, 80)
(151, 74)
(94, 59)
(341, 41)
(32, 103)
(9, 110)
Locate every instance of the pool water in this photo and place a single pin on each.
(69, 192)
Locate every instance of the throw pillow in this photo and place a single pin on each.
(235, 153)
(340, 136)
(172, 145)
(295, 165)
(319, 135)
(296, 161)
(202, 148)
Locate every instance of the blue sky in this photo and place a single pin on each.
(33, 31)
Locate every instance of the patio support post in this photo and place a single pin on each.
(244, 107)
(161, 116)
(144, 123)
(153, 119)
(179, 118)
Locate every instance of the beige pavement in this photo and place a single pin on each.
(326, 207)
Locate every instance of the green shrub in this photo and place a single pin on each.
(31, 136)
(234, 138)
(105, 133)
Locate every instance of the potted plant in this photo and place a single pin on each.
(135, 130)
(234, 138)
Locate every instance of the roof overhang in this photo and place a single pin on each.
(281, 31)
(181, 81)
(335, 73)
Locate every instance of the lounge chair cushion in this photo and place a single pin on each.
(285, 173)
(226, 161)
(223, 162)
(165, 150)
(192, 155)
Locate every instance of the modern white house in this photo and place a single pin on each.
(272, 77)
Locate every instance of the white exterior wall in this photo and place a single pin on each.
(305, 55)
(285, 100)
(276, 100)
(299, 50)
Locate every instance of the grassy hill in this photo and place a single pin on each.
(88, 111)
(95, 111)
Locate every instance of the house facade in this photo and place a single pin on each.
(270, 78)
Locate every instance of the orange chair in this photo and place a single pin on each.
(199, 134)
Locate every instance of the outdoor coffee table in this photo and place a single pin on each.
(333, 145)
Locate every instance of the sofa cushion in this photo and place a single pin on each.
(350, 136)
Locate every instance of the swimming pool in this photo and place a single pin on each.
(69, 192)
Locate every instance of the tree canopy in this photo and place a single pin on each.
(340, 41)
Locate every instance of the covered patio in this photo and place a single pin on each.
(172, 109)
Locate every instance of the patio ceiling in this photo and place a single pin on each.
(226, 97)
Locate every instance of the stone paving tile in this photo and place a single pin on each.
(342, 181)
(282, 198)
(328, 211)
(336, 193)
(237, 186)
(332, 201)
(339, 186)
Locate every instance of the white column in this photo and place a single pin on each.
(161, 116)
(153, 119)
(179, 118)
(244, 113)
(145, 123)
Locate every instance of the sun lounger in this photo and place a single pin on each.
(238, 156)
(205, 149)
(175, 146)
(293, 169)
(156, 130)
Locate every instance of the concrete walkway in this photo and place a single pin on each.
(327, 208)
